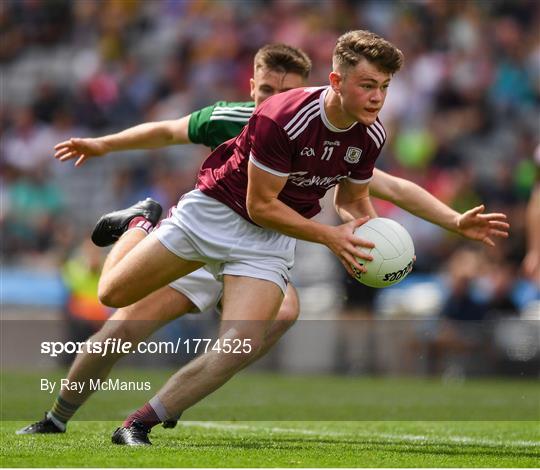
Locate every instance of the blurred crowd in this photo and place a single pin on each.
(462, 116)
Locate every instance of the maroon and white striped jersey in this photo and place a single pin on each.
(289, 135)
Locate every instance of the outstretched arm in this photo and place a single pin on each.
(473, 224)
(144, 136)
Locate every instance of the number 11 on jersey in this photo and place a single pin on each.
(327, 153)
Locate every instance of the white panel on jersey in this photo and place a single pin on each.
(373, 137)
(352, 180)
(300, 115)
(266, 168)
(380, 127)
(305, 123)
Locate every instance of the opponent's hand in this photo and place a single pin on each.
(81, 149)
(344, 244)
(475, 225)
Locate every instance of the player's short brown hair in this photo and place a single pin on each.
(354, 45)
(283, 58)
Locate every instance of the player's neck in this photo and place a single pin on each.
(334, 111)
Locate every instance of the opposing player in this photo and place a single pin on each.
(211, 126)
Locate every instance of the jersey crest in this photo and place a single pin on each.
(353, 155)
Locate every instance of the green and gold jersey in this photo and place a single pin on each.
(213, 125)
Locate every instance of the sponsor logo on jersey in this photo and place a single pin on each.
(353, 155)
(298, 178)
(337, 143)
(307, 152)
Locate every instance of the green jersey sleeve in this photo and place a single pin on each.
(213, 125)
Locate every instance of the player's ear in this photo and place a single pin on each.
(252, 88)
(335, 80)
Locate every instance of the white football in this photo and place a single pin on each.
(392, 256)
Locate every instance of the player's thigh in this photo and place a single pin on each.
(146, 268)
(249, 298)
(138, 321)
(249, 306)
(201, 288)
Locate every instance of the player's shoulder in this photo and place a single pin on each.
(232, 107)
(376, 133)
(293, 105)
(234, 104)
(232, 110)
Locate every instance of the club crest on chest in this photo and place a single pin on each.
(353, 155)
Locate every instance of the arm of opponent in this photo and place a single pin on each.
(473, 224)
(268, 211)
(144, 136)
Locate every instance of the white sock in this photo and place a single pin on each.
(160, 410)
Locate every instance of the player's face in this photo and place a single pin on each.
(266, 83)
(362, 90)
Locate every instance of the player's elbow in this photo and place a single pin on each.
(167, 131)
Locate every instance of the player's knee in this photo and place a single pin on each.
(290, 308)
(110, 296)
(110, 299)
(288, 313)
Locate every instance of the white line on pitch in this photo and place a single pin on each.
(405, 437)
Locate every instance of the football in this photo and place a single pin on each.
(392, 256)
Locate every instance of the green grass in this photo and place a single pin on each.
(273, 397)
(240, 425)
(283, 444)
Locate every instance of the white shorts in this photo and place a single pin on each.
(203, 229)
(201, 288)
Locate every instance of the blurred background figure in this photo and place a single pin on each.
(531, 263)
(84, 314)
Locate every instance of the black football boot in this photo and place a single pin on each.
(134, 435)
(111, 226)
(45, 426)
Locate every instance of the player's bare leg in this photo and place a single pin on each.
(145, 267)
(249, 306)
(134, 323)
(138, 264)
(286, 317)
(122, 247)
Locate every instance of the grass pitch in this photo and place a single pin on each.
(257, 441)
